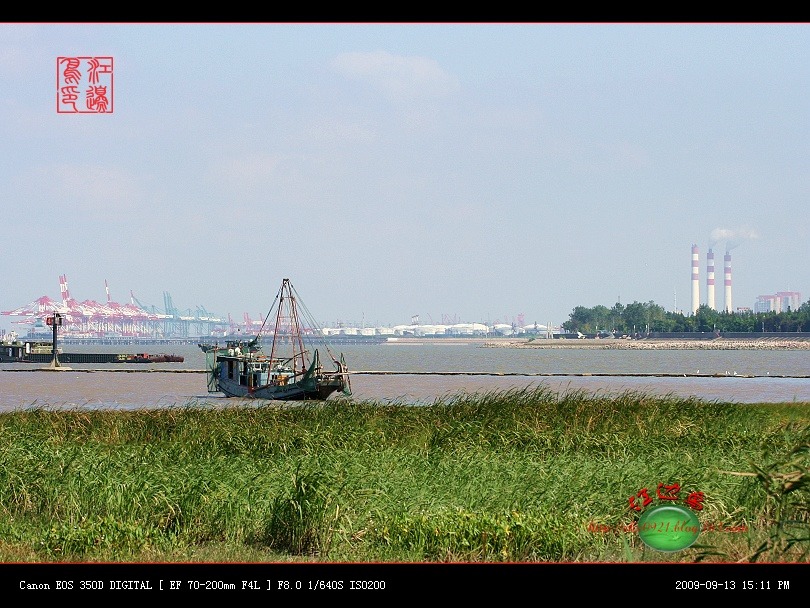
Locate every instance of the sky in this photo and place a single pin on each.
(468, 171)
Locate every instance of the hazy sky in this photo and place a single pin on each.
(474, 171)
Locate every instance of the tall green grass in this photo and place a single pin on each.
(520, 475)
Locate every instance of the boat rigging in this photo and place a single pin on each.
(292, 370)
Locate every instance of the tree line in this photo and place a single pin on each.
(642, 318)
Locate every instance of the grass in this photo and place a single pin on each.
(522, 475)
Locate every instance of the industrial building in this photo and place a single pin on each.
(91, 320)
(440, 331)
(782, 301)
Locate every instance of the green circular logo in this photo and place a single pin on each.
(668, 528)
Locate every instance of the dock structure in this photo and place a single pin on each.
(95, 319)
(24, 351)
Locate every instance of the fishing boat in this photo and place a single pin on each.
(281, 361)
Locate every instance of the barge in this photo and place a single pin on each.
(25, 351)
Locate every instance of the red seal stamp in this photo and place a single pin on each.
(84, 85)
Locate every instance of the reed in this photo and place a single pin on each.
(519, 475)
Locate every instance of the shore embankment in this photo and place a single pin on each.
(657, 344)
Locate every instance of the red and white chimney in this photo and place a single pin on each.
(727, 271)
(695, 279)
(710, 280)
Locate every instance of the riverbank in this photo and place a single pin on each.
(495, 477)
(657, 344)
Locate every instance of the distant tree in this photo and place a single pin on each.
(657, 318)
(578, 320)
(706, 318)
(635, 317)
(639, 317)
(588, 320)
(681, 323)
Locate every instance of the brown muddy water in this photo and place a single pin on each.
(421, 373)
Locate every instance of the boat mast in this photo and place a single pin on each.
(297, 339)
(294, 336)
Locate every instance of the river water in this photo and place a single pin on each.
(422, 372)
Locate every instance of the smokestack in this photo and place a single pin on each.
(710, 280)
(695, 280)
(727, 281)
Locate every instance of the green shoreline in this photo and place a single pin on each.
(515, 476)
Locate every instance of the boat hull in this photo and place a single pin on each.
(305, 390)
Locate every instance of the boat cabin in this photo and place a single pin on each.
(253, 372)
